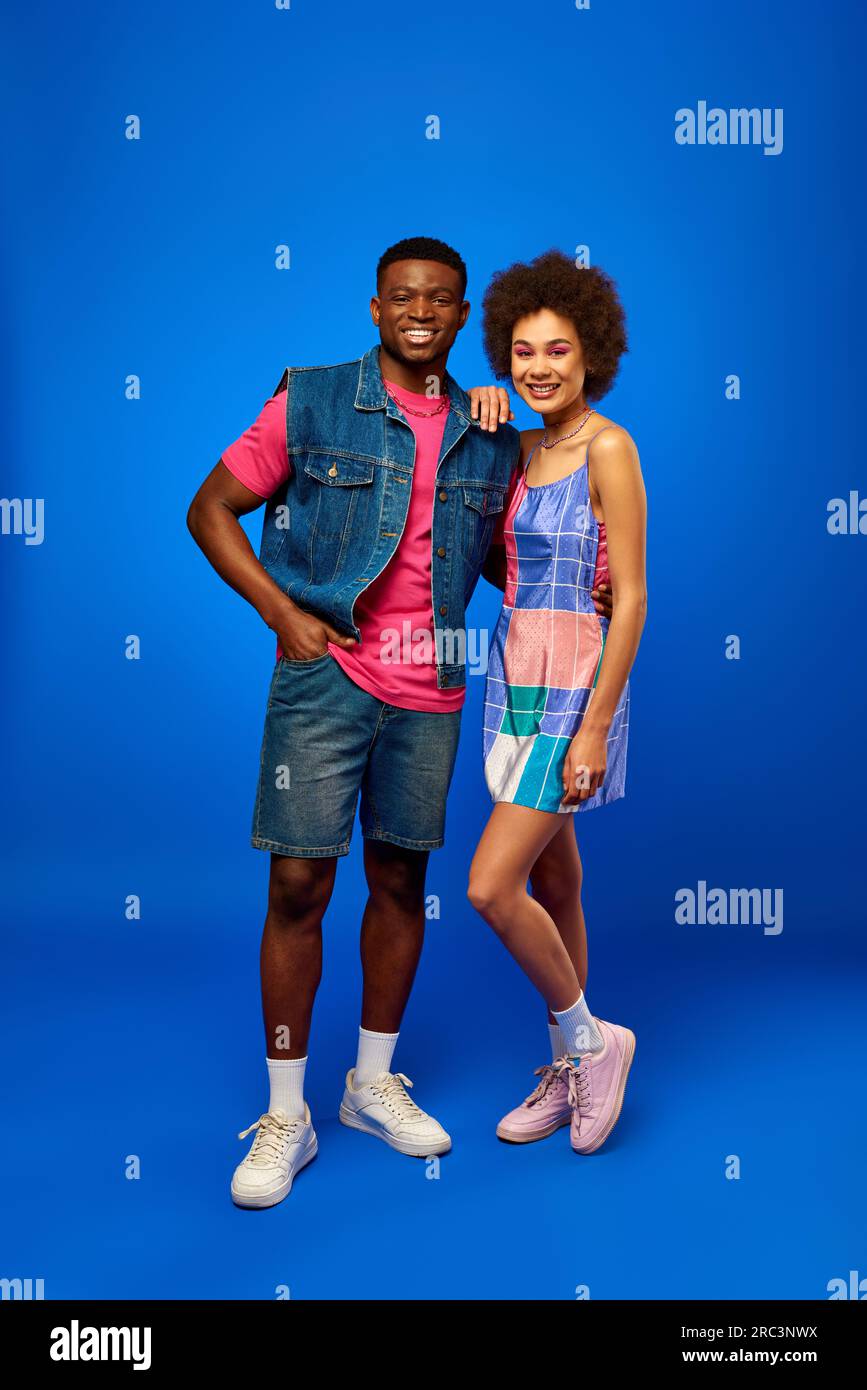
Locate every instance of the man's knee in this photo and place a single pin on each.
(395, 876)
(300, 889)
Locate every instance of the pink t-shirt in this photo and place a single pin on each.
(396, 658)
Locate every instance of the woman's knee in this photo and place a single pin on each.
(556, 893)
(489, 897)
(557, 878)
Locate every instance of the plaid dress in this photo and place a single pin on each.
(547, 647)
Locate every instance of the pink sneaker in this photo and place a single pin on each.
(547, 1109)
(596, 1085)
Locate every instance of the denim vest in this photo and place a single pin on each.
(331, 529)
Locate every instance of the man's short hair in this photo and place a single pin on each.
(423, 248)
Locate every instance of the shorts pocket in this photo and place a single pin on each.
(305, 661)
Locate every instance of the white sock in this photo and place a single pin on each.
(287, 1084)
(579, 1030)
(558, 1042)
(375, 1051)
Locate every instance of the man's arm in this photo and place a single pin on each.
(213, 523)
(491, 406)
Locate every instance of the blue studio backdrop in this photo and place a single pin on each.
(196, 195)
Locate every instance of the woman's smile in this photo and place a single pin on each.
(542, 390)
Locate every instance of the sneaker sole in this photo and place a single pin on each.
(628, 1055)
(403, 1146)
(256, 1201)
(519, 1138)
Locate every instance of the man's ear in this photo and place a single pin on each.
(374, 309)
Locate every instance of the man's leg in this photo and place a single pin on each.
(291, 954)
(291, 966)
(318, 728)
(392, 931)
(403, 800)
(403, 808)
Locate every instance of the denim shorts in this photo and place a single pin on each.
(326, 742)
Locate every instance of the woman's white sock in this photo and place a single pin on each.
(287, 1084)
(579, 1030)
(558, 1042)
(375, 1051)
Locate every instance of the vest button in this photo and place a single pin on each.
(444, 497)
(442, 552)
(332, 472)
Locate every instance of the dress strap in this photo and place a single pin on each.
(594, 436)
(587, 452)
(529, 457)
(586, 456)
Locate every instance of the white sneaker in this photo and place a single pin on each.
(382, 1107)
(283, 1145)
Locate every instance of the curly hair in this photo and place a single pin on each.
(552, 281)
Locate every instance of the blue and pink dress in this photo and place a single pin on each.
(547, 646)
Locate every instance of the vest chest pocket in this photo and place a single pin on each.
(346, 486)
(481, 506)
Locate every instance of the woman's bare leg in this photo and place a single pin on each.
(556, 881)
(513, 840)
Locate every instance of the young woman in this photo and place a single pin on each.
(557, 693)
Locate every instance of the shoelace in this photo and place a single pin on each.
(548, 1074)
(578, 1083)
(269, 1142)
(390, 1086)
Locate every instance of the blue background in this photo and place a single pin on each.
(156, 257)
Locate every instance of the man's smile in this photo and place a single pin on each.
(419, 335)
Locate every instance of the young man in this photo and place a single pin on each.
(382, 491)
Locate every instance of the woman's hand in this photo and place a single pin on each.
(584, 768)
(491, 406)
